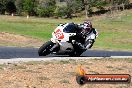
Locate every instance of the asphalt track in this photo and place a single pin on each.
(20, 52)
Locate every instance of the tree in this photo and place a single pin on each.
(19, 6)
(88, 7)
(46, 8)
(73, 6)
(60, 11)
(2, 6)
(89, 4)
(118, 4)
(10, 7)
(28, 6)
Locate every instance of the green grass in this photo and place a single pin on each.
(114, 34)
(23, 26)
(40, 28)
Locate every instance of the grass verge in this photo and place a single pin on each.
(114, 31)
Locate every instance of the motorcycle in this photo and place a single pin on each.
(63, 42)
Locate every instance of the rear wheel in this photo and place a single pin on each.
(45, 48)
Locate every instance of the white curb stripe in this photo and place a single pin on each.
(16, 60)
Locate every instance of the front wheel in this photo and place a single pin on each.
(45, 48)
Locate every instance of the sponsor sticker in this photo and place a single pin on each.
(83, 78)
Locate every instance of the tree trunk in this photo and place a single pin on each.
(86, 11)
(27, 16)
(123, 7)
(12, 14)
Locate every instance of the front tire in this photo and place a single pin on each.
(45, 48)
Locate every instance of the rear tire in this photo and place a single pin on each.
(45, 48)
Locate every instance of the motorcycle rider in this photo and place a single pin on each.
(88, 33)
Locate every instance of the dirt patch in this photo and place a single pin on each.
(7, 39)
(61, 74)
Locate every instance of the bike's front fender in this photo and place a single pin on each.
(53, 40)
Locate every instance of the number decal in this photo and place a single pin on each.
(59, 34)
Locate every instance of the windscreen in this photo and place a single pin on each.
(70, 28)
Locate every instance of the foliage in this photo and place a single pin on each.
(28, 6)
(19, 4)
(46, 8)
(118, 2)
(10, 7)
(2, 6)
(60, 11)
(71, 7)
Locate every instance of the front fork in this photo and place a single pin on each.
(56, 47)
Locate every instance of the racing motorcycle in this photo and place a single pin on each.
(63, 42)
